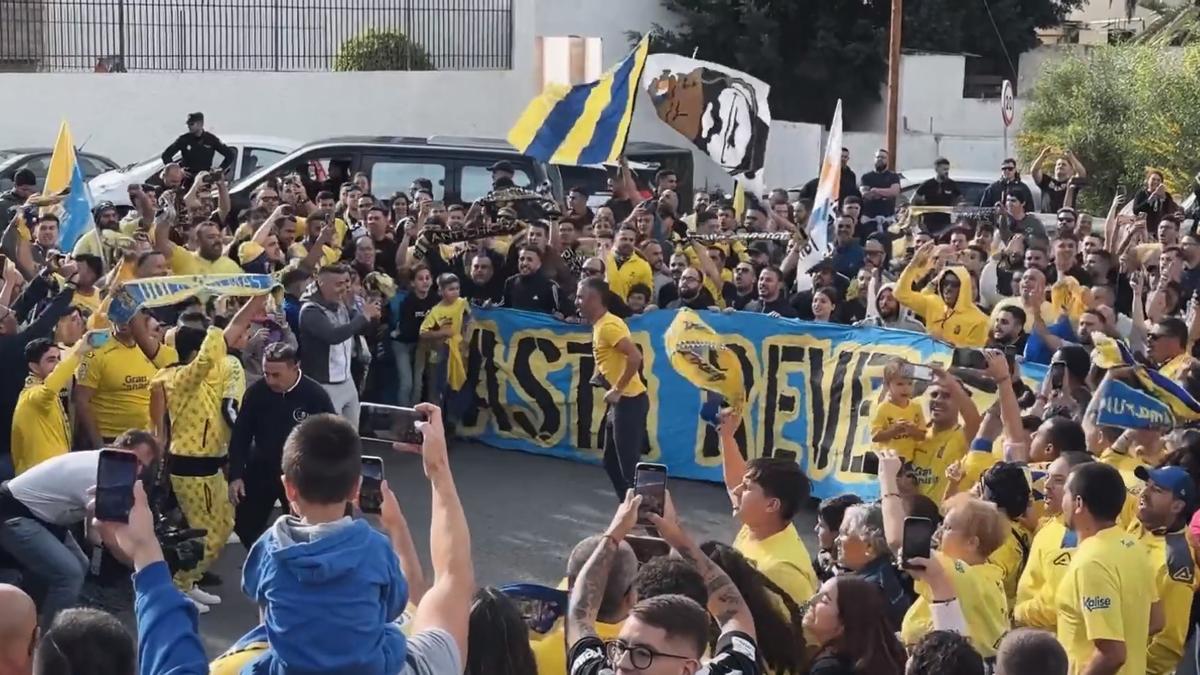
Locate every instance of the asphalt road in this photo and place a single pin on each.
(526, 512)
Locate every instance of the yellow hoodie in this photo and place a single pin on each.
(963, 325)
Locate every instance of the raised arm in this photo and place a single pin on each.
(725, 602)
(733, 465)
(396, 527)
(1035, 169)
(1110, 224)
(1016, 446)
(1080, 169)
(162, 231)
(894, 511)
(588, 591)
(447, 603)
(905, 295)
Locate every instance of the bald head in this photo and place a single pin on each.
(618, 590)
(18, 624)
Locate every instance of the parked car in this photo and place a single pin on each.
(251, 154)
(38, 161)
(972, 184)
(458, 167)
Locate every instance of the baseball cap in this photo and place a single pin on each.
(195, 117)
(1173, 478)
(502, 165)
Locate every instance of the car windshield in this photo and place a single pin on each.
(143, 162)
(5, 154)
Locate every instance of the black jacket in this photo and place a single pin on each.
(196, 152)
(12, 354)
(998, 191)
(532, 293)
(266, 419)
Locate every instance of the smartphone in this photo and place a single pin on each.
(116, 473)
(917, 542)
(97, 339)
(870, 464)
(389, 423)
(968, 357)
(370, 493)
(921, 373)
(650, 483)
(1058, 373)
(780, 453)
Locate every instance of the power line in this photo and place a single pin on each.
(1003, 47)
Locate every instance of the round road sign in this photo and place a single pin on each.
(1007, 103)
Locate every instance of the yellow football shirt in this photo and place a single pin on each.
(975, 463)
(1011, 557)
(980, 591)
(933, 455)
(1126, 465)
(89, 302)
(184, 261)
(606, 334)
(1049, 555)
(121, 376)
(783, 559)
(41, 428)
(888, 413)
(1175, 581)
(622, 278)
(1106, 594)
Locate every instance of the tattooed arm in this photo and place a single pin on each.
(725, 602)
(588, 592)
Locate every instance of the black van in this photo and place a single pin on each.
(458, 167)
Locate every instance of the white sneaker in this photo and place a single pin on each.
(201, 608)
(197, 594)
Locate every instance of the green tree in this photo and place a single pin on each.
(1122, 110)
(813, 52)
(382, 50)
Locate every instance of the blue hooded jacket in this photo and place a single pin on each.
(330, 593)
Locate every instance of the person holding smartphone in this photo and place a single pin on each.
(617, 362)
(40, 507)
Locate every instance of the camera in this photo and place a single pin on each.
(182, 547)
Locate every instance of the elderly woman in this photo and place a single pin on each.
(862, 548)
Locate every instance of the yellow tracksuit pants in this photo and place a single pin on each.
(205, 503)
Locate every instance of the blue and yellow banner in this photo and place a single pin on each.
(1123, 406)
(586, 123)
(810, 388)
(164, 291)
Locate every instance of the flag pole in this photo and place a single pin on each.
(893, 81)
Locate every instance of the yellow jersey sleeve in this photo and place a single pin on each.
(182, 261)
(235, 379)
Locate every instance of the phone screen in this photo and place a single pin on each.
(870, 464)
(650, 482)
(1058, 373)
(370, 494)
(968, 357)
(918, 540)
(116, 473)
(921, 373)
(389, 423)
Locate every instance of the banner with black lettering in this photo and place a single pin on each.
(810, 389)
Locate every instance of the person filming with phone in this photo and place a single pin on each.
(38, 508)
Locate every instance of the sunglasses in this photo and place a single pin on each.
(1008, 168)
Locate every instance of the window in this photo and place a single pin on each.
(254, 159)
(477, 181)
(218, 158)
(92, 166)
(392, 175)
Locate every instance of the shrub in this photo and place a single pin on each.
(382, 50)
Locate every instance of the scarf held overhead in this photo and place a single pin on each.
(131, 296)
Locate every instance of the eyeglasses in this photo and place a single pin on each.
(640, 656)
(592, 271)
(1007, 168)
(1149, 338)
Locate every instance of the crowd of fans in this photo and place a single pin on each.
(1061, 545)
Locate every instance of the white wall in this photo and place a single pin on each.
(607, 20)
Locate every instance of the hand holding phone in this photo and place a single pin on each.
(917, 541)
(650, 483)
(390, 424)
(370, 492)
(116, 472)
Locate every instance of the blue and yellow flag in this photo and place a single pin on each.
(62, 162)
(586, 123)
(1109, 353)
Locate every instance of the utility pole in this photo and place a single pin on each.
(893, 81)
